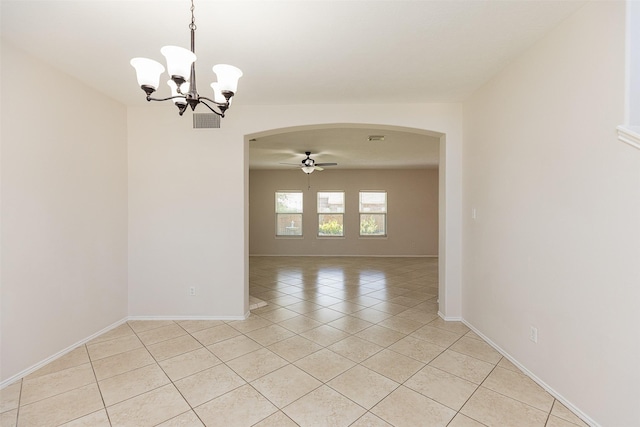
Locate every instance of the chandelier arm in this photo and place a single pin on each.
(226, 104)
(149, 98)
(221, 114)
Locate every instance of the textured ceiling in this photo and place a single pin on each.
(291, 52)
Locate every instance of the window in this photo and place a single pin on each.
(373, 213)
(330, 213)
(288, 213)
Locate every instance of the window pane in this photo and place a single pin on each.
(330, 225)
(289, 224)
(373, 225)
(288, 202)
(330, 202)
(373, 201)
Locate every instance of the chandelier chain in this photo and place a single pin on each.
(192, 25)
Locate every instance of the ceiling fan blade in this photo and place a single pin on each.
(326, 164)
(318, 168)
(290, 164)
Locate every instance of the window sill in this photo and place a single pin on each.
(289, 237)
(630, 135)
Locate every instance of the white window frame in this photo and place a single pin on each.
(363, 212)
(296, 230)
(342, 213)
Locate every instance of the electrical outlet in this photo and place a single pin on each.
(533, 334)
(192, 291)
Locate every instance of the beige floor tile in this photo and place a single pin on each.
(304, 307)
(389, 307)
(506, 364)
(405, 407)
(148, 409)
(173, 347)
(189, 363)
(554, 421)
(300, 324)
(256, 364)
(520, 387)
(380, 335)
(251, 324)
(146, 325)
(419, 315)
(279, 315)
(161, 334)
(75, 357)
(132, 383)
(493, 409)
(285, 385)
(325, 335)
(208, 384)
(463, 421)
(370, 420)
(404, 300)
(119, 331)
(324, 407)
(441, 386)
(436, 336)
(242, 407)
(350, 324)
(476, 348)
(363, 386)
(393, 365)
(9, 418)
(457, 328)
(561, 411)
(95, 419)
(121, 363)
(187, 419)
(269, 335)
(279, 419)
(109, 348)
(372, 315)
(324, 364)
(10, 396)
(192, 326)
(401, 324)
(346, 307)
(325, 315)
(473, 335)
(284, 300)
(466, 367)
(415, 348)
(62, 408)
(216, 334)
(55, 383)
(355, 348)
(294, 348)
(234, 347)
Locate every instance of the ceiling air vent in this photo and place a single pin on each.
(206, 121)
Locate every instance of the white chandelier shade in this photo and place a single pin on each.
(148, 72)
(228, 77)
(179, 61)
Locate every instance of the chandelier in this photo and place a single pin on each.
(182, 72)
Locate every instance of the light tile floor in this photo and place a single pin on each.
(342, 342)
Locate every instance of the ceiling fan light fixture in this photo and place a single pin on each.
(308, 169)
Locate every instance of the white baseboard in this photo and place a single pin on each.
(449, 319)
(59, 354)
(531, 375)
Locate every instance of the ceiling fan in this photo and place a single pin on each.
(308, 165)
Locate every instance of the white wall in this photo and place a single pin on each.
(188, 200)
(412, 219)
(556, 242)
(64, 207)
